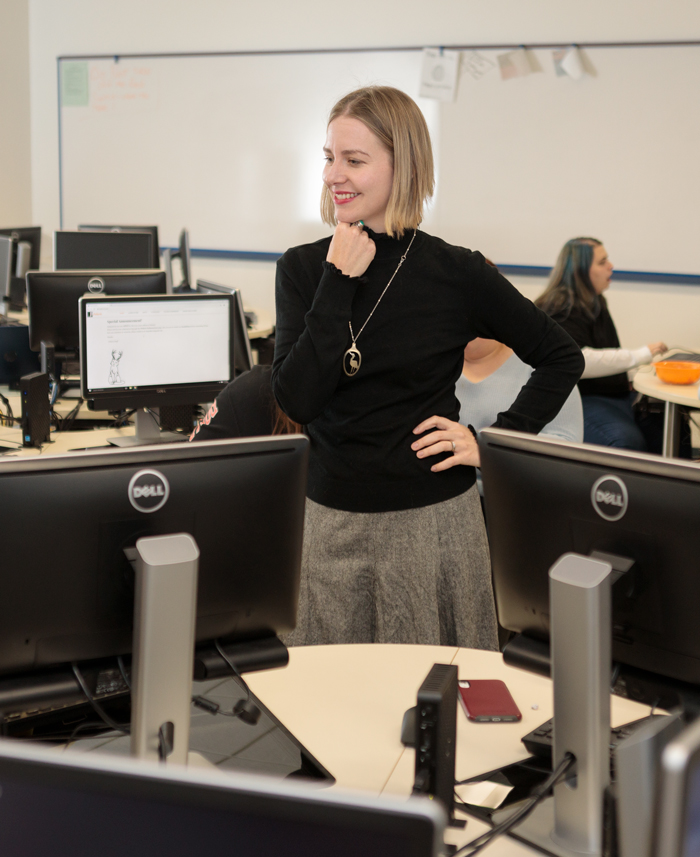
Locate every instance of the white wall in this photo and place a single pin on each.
(58, 27)
(15, 160)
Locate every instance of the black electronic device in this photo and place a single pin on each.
(546, 498)
(16, 357)
(48, 797)
(26, 256)
(539, 741)
(36, 420)
(242, 353)
(242, 501)
(144, 352)
(100, 251)
(153, 230)
(436, 735)
(53, 301)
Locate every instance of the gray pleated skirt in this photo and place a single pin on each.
(417, 576)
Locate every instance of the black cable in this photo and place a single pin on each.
(9, 418)
(101, 713)
(246, 709)
(122, 670)
(156, 416)
(66, 423)
(539, 793)
(121, 418)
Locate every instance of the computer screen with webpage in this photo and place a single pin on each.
(147, 351)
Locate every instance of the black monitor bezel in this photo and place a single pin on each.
(43, 324)
(118, 228)
(66, 645)
(521, 589)
(142, 256)
(185, 257)
(418, 824)
(243, 352)
(156, 395)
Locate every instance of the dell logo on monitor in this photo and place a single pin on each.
(609, 497)
(96, 285)
(148, 491)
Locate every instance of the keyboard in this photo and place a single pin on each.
(689, 358)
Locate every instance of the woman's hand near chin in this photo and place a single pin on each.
(447, 436)
(351, 250)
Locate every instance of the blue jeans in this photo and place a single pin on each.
(609, 421)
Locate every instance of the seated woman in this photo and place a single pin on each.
(245, 408)
(492, 375)
(574, 298)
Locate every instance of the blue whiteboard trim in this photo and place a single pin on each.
(540, 271)
(620, 276)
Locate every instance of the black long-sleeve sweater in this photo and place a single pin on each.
(412, 352)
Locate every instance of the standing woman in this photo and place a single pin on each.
(371, 328)
(574, 298)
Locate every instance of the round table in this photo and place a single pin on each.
(673, 395)
(345, 704)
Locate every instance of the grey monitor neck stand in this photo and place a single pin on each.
(163, 647)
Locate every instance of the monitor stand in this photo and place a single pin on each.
(147, 431)
(571, 821)
(165, 607)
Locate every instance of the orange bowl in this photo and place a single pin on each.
(677, 371)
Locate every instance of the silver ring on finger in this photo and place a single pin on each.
(454, 447)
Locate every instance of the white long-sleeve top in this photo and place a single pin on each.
(601, 362)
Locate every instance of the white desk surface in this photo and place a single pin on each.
(346, 703)
(646, 382)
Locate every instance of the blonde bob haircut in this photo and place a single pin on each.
(397, 121)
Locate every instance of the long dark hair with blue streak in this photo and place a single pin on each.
(569, 285)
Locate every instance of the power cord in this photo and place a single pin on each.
(539, 793)
(7, 419)
(245, 709)
(101, 713)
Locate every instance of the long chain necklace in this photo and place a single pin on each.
(352, 359)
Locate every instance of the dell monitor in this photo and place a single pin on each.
(66, 804)
(242, 353)
(98, 251)
(69, 590)
(151, 352)
(546, 498)
(53, 303)
(153, 230)
(26, 256)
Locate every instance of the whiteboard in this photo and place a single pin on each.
(230, 146)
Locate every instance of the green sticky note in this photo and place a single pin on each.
(75, 89)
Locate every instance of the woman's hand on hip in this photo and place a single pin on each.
(447, 436)
(351, 250)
